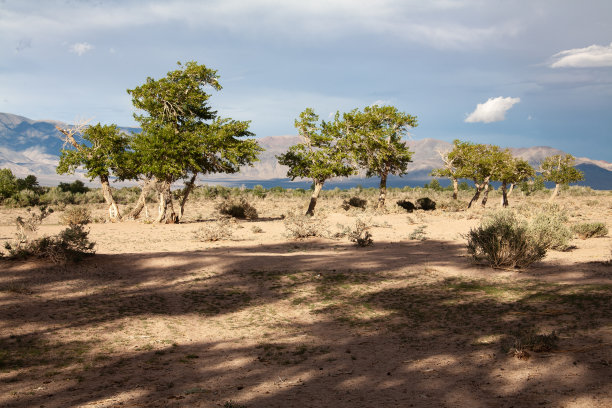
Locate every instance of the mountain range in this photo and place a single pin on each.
(33, 146)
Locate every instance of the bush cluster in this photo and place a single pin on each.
(590, 230)
(237, 209)
(354, 202)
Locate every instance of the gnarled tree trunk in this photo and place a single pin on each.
(148, 185)
(113, 210)
(382, 195)
(479, 188)
(189, 186)
(166, 212)
(455, 188)
(504, 199)
(485, 196)
(318, 186)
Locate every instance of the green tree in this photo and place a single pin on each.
(8, 184)
(513, 170)
(182, 136)
(101, 151)
(376, 142)
(450, 168)
(321, 155)
(560, 170)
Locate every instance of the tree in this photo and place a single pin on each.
(8, 184)
(560, 170)
(449, 169)
(513, 170)
(376, 138)
(101, 152)
(182, 136)
(320, 156)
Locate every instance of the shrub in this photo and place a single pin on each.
(72, 244)
(533, 342)
(217, 231)
(76, 216)
(360, 235)
(590, 229)
(75, 187)
(504, 242)
(238, 209)
(426, 204)
(418, 234)
(26, 226)
(303, 226)
(354, 202)
(406, 205)
(549, 229)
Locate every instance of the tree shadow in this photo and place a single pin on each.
(390, 325)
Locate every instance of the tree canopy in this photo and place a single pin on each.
(560, 170)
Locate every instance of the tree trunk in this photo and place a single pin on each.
(318, 186)
(189, 185)
(142, 200)
(485, 196)
(113, 210)
(479, 188)
(455, 188)
(504, 199)
(166, 208)
(383, 191)
(554, 193)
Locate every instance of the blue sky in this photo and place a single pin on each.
(512, 73)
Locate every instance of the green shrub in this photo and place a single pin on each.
(406, 205)
(237, 209)
(549, 229)
(426, 204)
(590, 230)
(503, 241)
(76, 216)
(354, 202)
(75, 187)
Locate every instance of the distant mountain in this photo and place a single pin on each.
(33, 146)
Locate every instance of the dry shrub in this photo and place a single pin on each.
(76, 216)
(502, 241)
(549, 229)
(71, 244)
(533, 342)
(238, 209)
(590, 230)
(304, 226)
(360, 235)
(216, 231)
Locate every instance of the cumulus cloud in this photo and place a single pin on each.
(80, 48)
(493, 110)
(588, 57)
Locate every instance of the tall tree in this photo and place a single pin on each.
(450, 169)
(8, 184)
(100, 151)
(560, 170)
(512, 170)
(376, 137)
(181, 134)
(320, 156)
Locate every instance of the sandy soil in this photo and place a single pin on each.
(158, 318)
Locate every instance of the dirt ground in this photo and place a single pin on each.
(159, 318)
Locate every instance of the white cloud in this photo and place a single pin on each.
(80, 48)
(493, 110)
(588, 57)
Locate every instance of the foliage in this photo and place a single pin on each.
(426, 204)
(71, 244)
(434, 185)
(303, 226)
(549, 229)
(237, 209)
(560, 169)
(407, 205)
(590, 230)
(354, 202)
(8, 183)
(419, 233)
(503, 241)
(530, 186)
(28, 225)
(217, 231)
(75, 187)
(76, 216)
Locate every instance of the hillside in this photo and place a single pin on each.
(32, 147)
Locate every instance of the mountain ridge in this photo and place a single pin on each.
(33, 146)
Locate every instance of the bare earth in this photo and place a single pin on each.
(158, 318)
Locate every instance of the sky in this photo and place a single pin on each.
(515, 73)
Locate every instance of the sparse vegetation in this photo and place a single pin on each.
(590, 230)
(304, 226)
(214, 231)
(76, 216)
(360, 234)
(238, 209)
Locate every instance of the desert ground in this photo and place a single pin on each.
(159, 317)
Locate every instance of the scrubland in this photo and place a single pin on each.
(278, 310)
